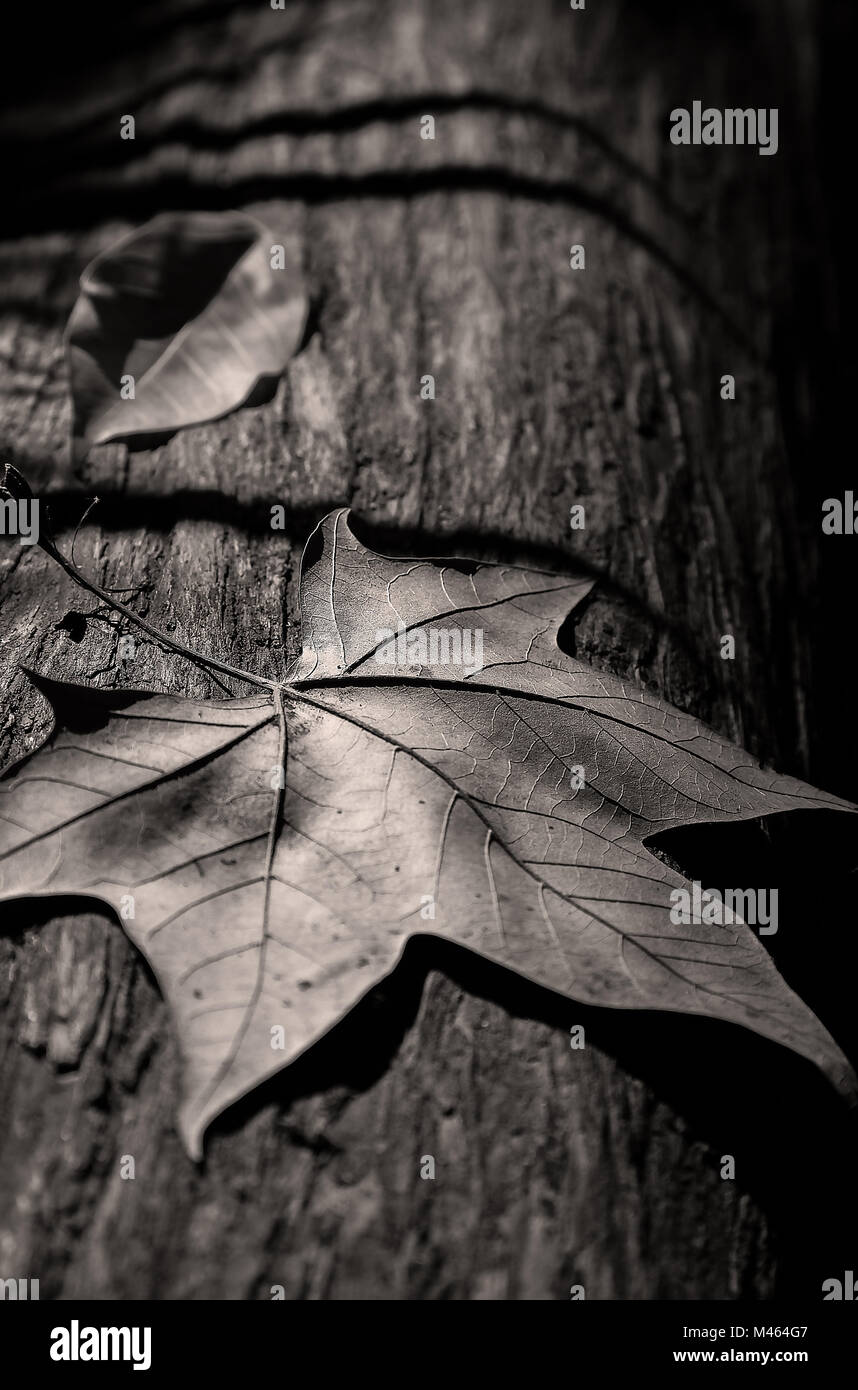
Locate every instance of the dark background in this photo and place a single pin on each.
(451, 257)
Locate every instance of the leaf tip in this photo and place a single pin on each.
(192, 1132)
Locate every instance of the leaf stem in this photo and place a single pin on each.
(74, 573)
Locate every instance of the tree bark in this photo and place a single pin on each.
(601, 387)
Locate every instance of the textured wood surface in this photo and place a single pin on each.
(451, 257)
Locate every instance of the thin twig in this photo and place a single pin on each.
(103, 594)
(114, 588)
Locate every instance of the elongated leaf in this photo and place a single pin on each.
(188, 313)
(277, 852)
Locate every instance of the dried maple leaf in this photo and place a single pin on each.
(186, 312)
(279, 851)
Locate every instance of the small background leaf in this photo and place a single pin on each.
(188, 305)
